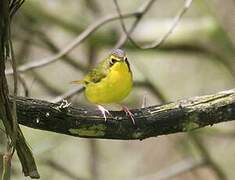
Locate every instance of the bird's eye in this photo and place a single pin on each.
(112, 61)
(125, 59)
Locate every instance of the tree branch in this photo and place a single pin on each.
(77, 41)
(16, 139)
(163, 38)
(180, 116)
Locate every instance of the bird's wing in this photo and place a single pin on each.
(98, 73)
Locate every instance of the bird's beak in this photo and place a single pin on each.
(124, 59)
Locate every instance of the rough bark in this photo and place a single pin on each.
(6, 113)
(180, 116)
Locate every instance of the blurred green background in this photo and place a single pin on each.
(198, 58)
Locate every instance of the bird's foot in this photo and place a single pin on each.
(104, 112)
(63, 106)
(129, 113)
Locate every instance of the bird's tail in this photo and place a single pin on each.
(78, 82)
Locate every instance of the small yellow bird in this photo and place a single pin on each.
(110, 82)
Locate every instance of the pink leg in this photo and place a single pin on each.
(103, 111)
(129, 113)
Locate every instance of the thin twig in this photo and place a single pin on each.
(76, 42)
(47, 85)
(143, 9)
(24, 85)
(68, 94)
(54, 49)
(158, 42)
(14, 6)
(15, 78)
(6, 172)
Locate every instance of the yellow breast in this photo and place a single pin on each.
(113, 88)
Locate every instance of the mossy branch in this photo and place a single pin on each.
(180, 116)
